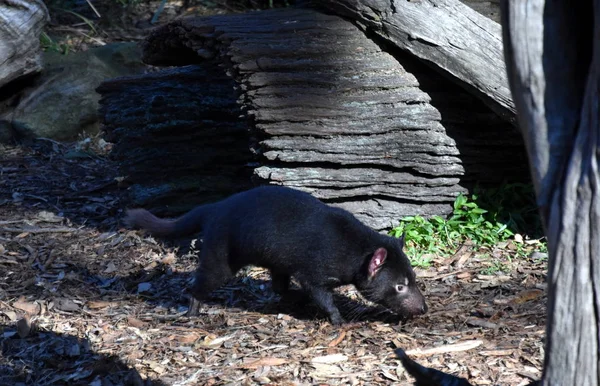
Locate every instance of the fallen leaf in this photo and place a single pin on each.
(389, 375)
(214, 342)
(11, 315)
(333, 358)
(526, 296)
(169, 259)
(187, 338)
(95, 305)
(29, 307)
(476, 322)
(135, 322)
(110, 267)
(49, 217)
(489, 353)
(337, 340)
(325, 370)
(267, 361)
(65, 304)
(461, 346)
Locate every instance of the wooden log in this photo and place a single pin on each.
(21, 22)
(552, 55)
(178, 136)
(348, 122)
(447, 35)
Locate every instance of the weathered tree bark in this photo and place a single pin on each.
(553, 56)
(376, 133)
(21, 22)
(446, 34)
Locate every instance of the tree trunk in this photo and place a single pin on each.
(21, 22)
(553, 57)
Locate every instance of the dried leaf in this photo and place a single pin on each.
(95, 305)
(214, 342)
(476, 322)
(110, 267)
(338, 339)
(488, 353)
(49, 217)
(136, 322)
(65, 304)
(333, 358)
(29, 307)
(187, 338)
(267, 361)
(11, 315)
(169, 259)
(526, 296)
(462, 346)
(389, 375)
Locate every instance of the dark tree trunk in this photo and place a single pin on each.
(553, 57)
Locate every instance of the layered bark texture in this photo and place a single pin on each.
(309, 100)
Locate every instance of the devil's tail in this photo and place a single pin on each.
(190, 222)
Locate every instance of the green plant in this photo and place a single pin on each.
(496, 267)
(48, 44)
(440, 236)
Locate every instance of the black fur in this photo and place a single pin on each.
(294, 235)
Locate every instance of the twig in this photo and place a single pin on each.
(50, 140)
(10, 222)
(93, 8)
(40, 230)
(34, 196)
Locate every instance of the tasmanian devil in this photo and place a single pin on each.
(293, 234)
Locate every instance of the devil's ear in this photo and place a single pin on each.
(377, 261)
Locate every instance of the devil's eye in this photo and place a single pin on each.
(400, 288)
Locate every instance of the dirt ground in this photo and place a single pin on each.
(85, 301)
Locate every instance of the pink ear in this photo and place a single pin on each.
(377, 261)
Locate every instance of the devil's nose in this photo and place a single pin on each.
(424, 308)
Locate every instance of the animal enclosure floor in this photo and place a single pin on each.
(85, 301)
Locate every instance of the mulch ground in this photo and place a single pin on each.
(85, 301)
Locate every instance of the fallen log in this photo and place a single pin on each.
(310, 102)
